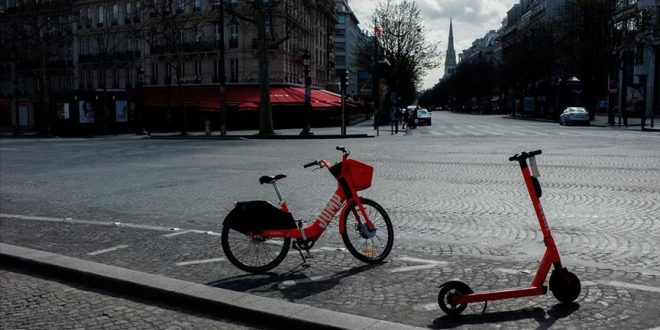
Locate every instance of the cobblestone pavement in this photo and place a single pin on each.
(459, 208)
(31, 302)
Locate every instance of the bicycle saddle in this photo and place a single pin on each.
(271, 179)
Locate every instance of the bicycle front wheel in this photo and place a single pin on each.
(253, 254)
(370, 246)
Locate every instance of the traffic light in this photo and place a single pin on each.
(344, 80)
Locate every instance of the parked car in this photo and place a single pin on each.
(574, 115)
(423, 117)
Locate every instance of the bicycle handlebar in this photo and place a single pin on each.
(316, 162)
(524, 155)
(343, 149)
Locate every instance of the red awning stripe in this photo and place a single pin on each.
(241, 96)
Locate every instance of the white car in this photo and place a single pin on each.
(573, 115)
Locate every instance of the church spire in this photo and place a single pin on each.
(450, 58)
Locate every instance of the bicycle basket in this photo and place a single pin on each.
(359, 174)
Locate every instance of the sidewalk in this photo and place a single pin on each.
(601, 120)
(363, 129)
(237, 305)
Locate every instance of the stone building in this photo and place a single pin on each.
(102, 51)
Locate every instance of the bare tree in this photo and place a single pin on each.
(166, 27)
(275, 22)
(404, 44)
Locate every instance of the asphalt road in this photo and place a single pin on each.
(459, 208)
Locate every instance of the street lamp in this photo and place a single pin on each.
(140, 84)
(307, 130)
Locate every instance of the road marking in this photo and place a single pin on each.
(426, 264)
(85, 222)
(306, 280)
(192, 231)
(114, 248)
(202, 261)
(630, 286)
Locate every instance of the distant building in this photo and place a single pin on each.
(347, 38)
(450, 57)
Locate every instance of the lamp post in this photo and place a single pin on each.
(308, 95)
(143, 112)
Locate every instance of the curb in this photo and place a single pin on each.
(262, 137)
(238, 305)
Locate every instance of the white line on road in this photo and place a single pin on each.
(427, 263)
(202, 261)
(192, 231)
(306, 280)
(630, 286)
(85, 222)
(114, 248)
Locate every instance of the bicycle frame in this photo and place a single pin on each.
(344, 195)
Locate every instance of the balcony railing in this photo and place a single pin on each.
(187, 47)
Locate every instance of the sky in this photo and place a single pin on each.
(472, 19)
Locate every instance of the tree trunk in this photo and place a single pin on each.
(265, 113)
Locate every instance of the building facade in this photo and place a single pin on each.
(347, 39)
(103, 50)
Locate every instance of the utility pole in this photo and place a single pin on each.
(344, 84)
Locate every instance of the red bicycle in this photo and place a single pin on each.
(256, 235)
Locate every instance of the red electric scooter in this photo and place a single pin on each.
(565, 286)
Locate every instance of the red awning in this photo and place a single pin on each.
(241, 96)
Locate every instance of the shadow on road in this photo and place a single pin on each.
(545, 319)
(293, 284)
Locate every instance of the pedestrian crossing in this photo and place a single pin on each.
(485, 130)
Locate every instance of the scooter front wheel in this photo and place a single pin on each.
(449, 290)
(565, 286)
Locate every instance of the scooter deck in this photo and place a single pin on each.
(498, 295)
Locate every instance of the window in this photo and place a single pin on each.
(115, 14)
(198, 69)
(90, 16)
(233, 75)
(180, 72)
(128, 13)
(115, 78)
(168, 73)
(197, 6)
(233, 35)
(233, 31)
(216, 71)
(129, 77)
(154, 73)
(101, 78)
(100, 16)
(342, 19)
(89, 79)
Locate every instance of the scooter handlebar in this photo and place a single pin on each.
(524, 155)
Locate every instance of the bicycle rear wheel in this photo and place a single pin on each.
(253, 254)
(368, 246)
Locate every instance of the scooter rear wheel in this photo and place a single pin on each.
(452, 289)
(565, 286)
